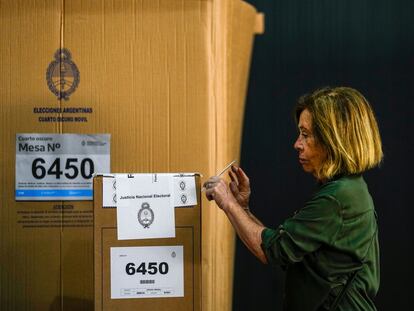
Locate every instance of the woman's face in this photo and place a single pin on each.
(311, 153)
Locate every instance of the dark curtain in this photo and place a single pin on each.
(365, 44)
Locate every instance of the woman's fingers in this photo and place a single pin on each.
(219, 192)
(210, 187)
(209, 194)
(233, 177)
(234, 169)
(211, 182)
(242, 177)
(234, 189)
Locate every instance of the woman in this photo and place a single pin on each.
(329, 248)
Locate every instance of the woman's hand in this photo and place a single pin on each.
(240, 186)
(231, 198)
(217, 190)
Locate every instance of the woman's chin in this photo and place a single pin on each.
(306, 168)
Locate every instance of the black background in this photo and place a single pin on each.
(365, 44)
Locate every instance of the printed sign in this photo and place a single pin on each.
(184, 189)
(145, 206)
(57, 167)
(147, 272)
(185, 193)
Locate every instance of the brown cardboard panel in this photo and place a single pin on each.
(242, 25)
(30, 250)
(77, 267)
(241, 32)
(135, 75)
(145, 77)
(184, 237)
(188, 234)
(230, 20)
(167, 79)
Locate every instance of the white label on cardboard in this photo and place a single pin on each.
(184, 191)
(58, 167)
(147, 272)
(145, 206)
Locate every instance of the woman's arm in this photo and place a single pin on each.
(250, 214)
(316, 224)
(246, 227)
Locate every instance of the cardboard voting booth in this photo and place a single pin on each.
(126, 271)
(163, 82)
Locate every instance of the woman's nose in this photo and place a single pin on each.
(298, 144)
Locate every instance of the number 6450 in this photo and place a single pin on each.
(152, 268)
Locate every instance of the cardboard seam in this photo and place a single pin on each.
(60, 131)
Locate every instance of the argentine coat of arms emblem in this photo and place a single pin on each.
(62, 75)
(145, 215)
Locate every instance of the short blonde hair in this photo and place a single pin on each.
(344, 124)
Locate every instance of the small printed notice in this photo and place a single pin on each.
(147, 272)
(109, 191)
(185, 193)
(145, 206)
(184, 189)
(59, 167)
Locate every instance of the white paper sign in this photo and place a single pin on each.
(185, 193)
(184, 190)
(145, 206)
(60, 167)
(109, 191)
(147, 272)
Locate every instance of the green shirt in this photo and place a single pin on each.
(322, 245)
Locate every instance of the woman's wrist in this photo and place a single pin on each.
(232, 206)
